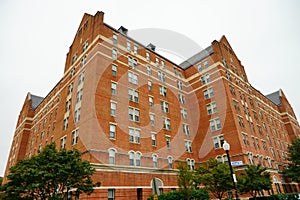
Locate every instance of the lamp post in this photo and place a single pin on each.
(226, 147)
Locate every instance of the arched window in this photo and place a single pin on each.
(138, 159)
(154, 157)
(131, 158)
(112, 154)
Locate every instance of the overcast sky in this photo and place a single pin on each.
(35, 36)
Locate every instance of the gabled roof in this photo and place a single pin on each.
(35, 101)
(197, 57)
(275, 97)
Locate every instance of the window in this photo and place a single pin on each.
(188, 146)
(113, 88)
(161, 76)
(205, 64)
(162, 64)
(181, 98)
(114, 70)
(112, 131)
(179, 85)
(264, 145)
(75, 136)
(132, 78)
(114, 53)
(135, 50)
(152, 120)
(149, 85)
(157, 61)
(208, 93)
(134, 63)
(218, 141)
(236, 105)
(111, 156)
(79, 95)
(149, 70)
(72, 72)
(245, 139)
(115, 39)
(250, 157)
(191, 164)
(63, 142)
(164, 106)
(113, 108)
(77, 115)
(81, 78)
(215, 124)
(133, 95)
(170, 162)
(134, 135)
(74, 58)
(166, 123)
(211, 108)
(85, 46)
(241, 121)
(232, 90)
(65, 123)
(128, 46)
(186, 129)
(68, 105)
(111, 194)
(162, 90)
(70, 88)
(131, 158)
(129, 61)
(153, 138)
(148, 56)
(83, 61)
(269, 162)
(205, 79)
(183, 113)
(199, 68)
(134, 114)
(151, 101)
(138, 159)
(168, 141)
(154, 158)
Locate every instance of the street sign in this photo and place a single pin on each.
(155, 197)
(236, 163)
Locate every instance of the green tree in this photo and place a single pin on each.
(254, 179)
(216, 177)
(49, 175)
(185, 181)
(293, 169)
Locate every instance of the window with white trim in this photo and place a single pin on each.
(179, 85)
(211, 108)
(157, 61)
(132, 78)
(205, 79)
(199, 66)
(111, 156)
(134, 63)
(79, 95)
(164, 106)
(63, 142)
(154, 159)
(161, 76)
(162, 64)
(218, 141)
(113, 88)
(168, 141)
(128, 46)
(68, 105)
(181, 98)
(151, 101)
(245, 139)
(137, 159)
(186, 129)
(170, 162)
(250, 157)
(148, 56)
(188, 145)
(135, 50)
(149, 85)
(153, 139)
(75, 136)
(134, 135)
(112, 131)
(208, 93)
(191, 164)
(115, 39)
(114, 54)
(152, 119)
(183, 113)
(70, 88)
(241, 121)
(149, 70)
(134, 114)
(162, 90)
(130, 61)
(77, 115)
(83, 61)
(81, 78)
(66, 123)
(85, 46)
(215, 124)
(133, 95)
(113, 108)
(131, 158)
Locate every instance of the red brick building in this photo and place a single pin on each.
(136, 114)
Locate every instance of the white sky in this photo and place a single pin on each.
(35, 36)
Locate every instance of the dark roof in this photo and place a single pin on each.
(197, 57)
(275, 97)
(35, 101)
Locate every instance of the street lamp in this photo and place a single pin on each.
(226, 147)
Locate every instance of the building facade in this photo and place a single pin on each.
(135, 115)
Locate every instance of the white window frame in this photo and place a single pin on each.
(134, 114)
(215, 124)
(134, 135)
(218, 141)
(211, 108)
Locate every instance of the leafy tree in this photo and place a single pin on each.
(195, 194)
(49, 175)
(255, 179)
(293, 169)
(185, 180)
(216, 177)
